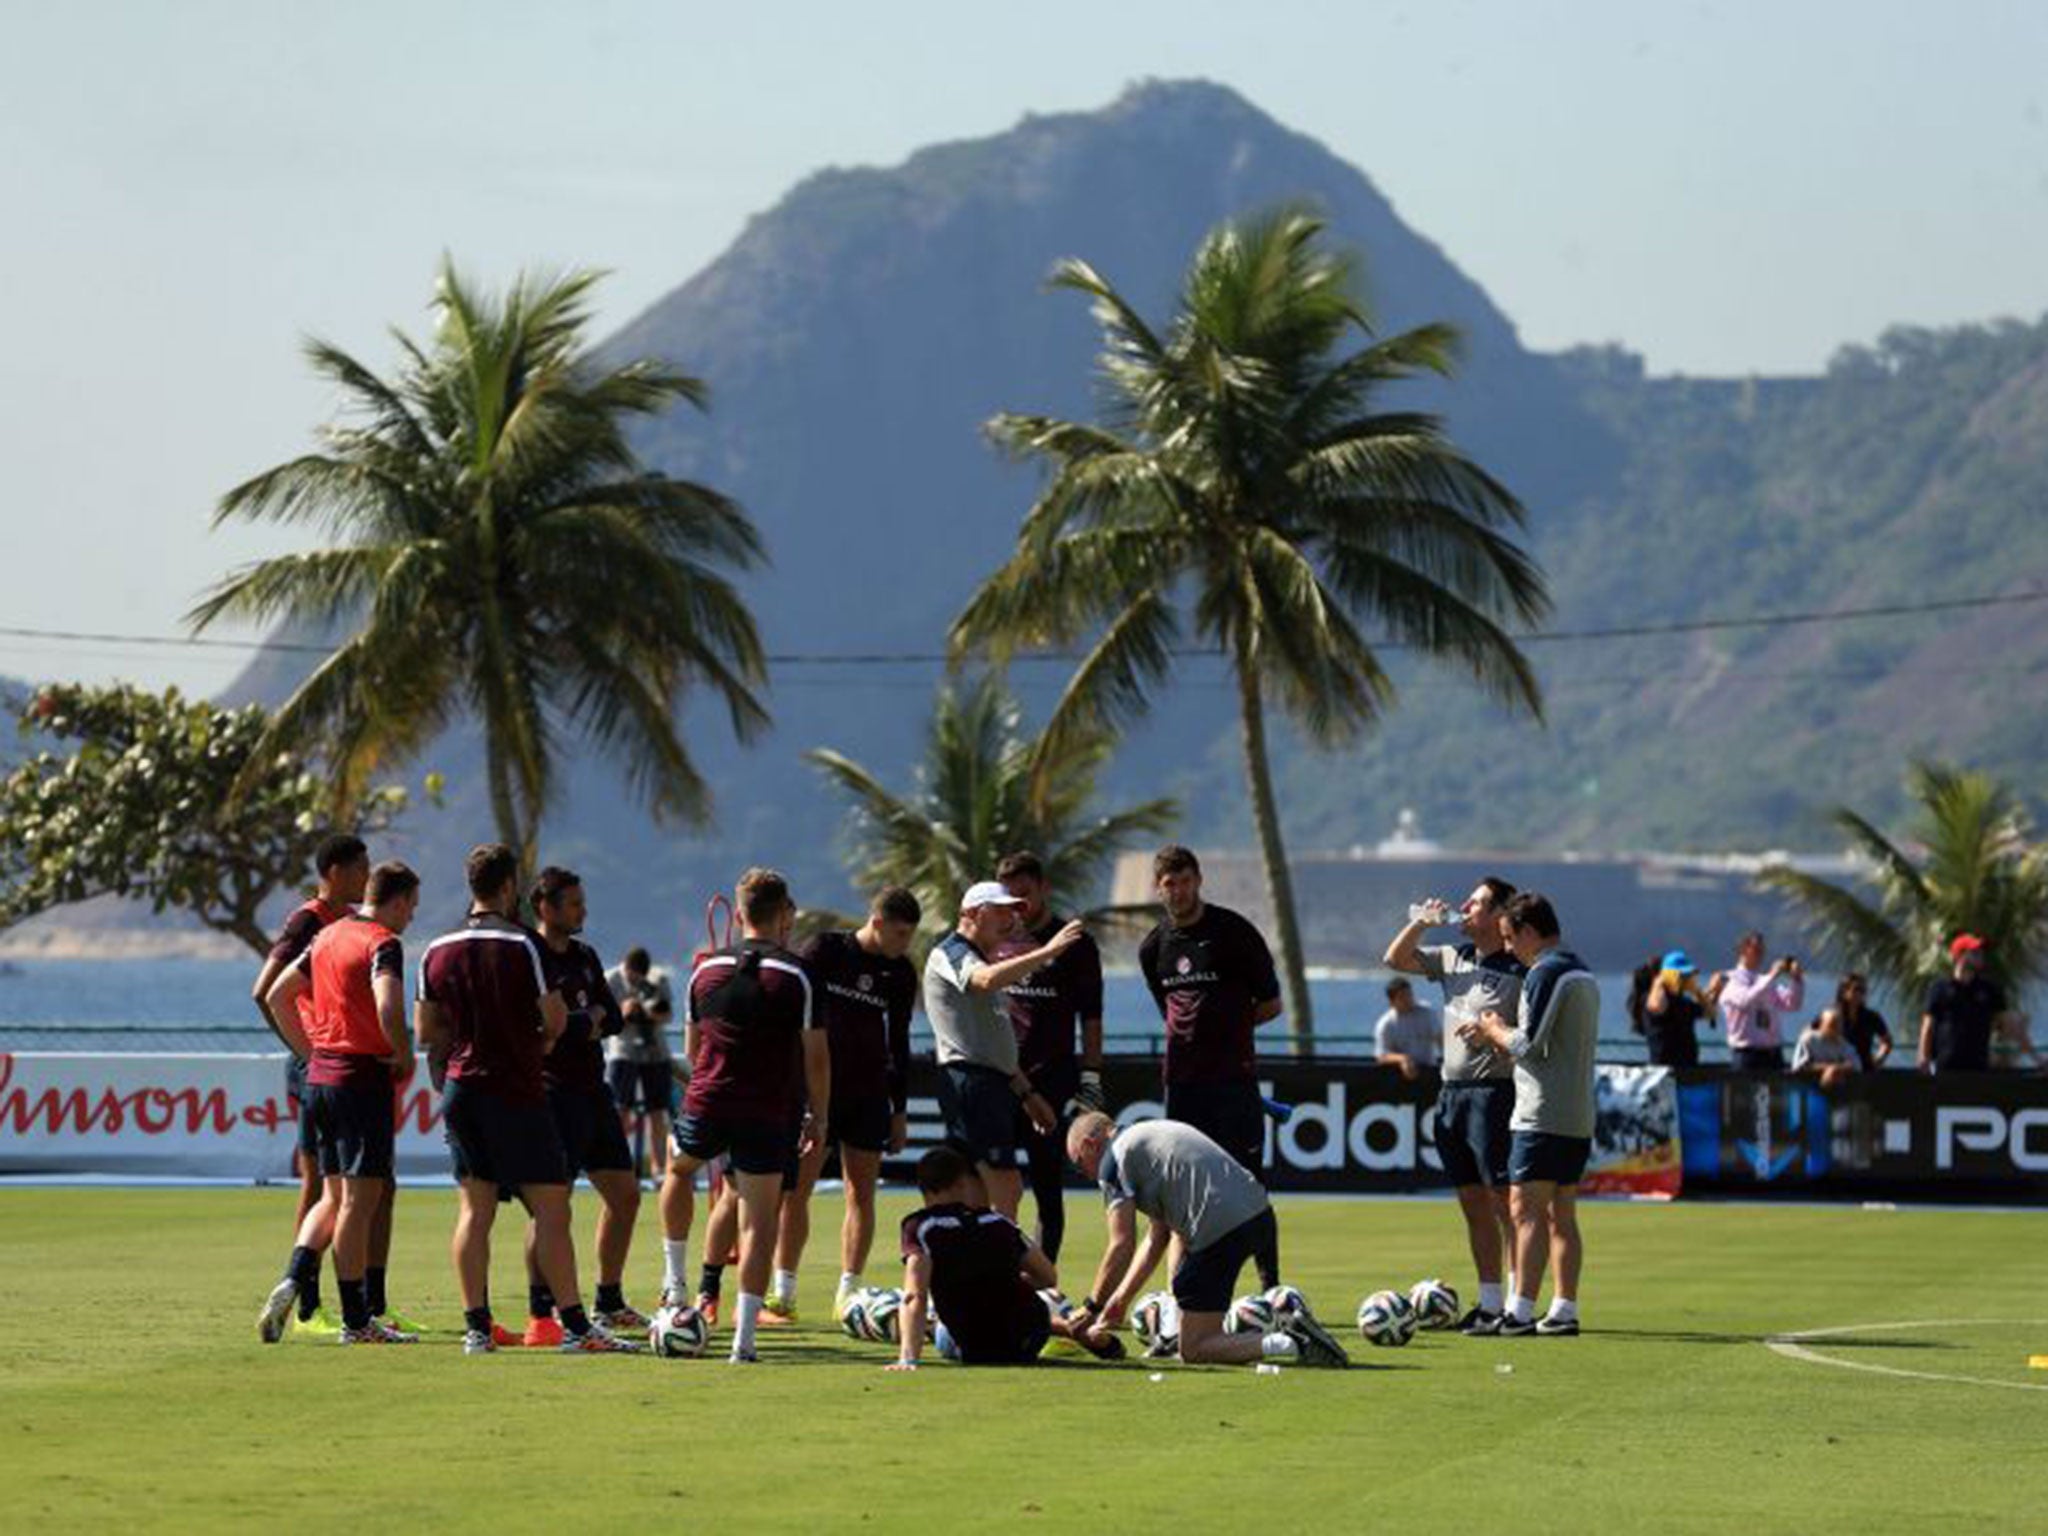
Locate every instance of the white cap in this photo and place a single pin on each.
(988, 893)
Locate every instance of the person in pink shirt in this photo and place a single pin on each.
(1752, 1002)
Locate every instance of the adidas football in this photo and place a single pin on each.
(1435, 1304)
(1249, 1314)
(884, 1312)
(1385, 1318)
(1156, 1321)
(1286, 1303)
(678, 1333)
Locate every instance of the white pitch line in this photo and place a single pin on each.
(1789, 1345)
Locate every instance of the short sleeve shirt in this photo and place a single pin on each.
(977, 1281)
(487, 980)
(751, 1005)
(1175, 1174)
(1207, 978)
(344, 1028)
(969, 1028)
(641, 1039)
(576, 1064)
(865, 1002)
(1047, 1005)
(1473, 983)
(1818, 1050)
(296, 937)
(1408, 1032)
(1964, 1013)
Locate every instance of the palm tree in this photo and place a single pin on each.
(499, 549)
(1243, 474)
(1977, 870)
(976, 801)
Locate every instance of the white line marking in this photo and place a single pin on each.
(1789, 1345)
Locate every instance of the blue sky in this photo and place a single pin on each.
(189, 188)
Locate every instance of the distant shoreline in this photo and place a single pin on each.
(118, 944)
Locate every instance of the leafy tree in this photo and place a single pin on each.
(500, 549)
(1969, 865)
(141, 806)
(1243, 474)
(976, 800)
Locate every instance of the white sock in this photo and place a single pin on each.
(744, 1324)
(1564, 1309)
(1524, 1308)
(783, 1287)
(1279, 1346)
(1489, 1296)
(850, 1280)
(675, 1267)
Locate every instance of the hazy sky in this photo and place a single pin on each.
(188, 188)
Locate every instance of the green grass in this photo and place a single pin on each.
(134, 1395)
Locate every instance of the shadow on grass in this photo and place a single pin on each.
(1686, 1336)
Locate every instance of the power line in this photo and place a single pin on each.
(928, 658)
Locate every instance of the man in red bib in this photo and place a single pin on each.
(352, 1034)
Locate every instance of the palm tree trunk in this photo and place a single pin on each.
(503, 811)
(1279, 884)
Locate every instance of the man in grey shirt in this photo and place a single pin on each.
(1194, 1190)
(1554, 1044)
(638, 1065)
(1477, 1098)
(1406, 1034)
(980, 1083)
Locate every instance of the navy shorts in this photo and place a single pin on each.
(1230, 1114)
(640, 1085)
(1471, 1129)
(1019, 1341)
(862, 1122)
(981, 1113)
(1539, 1157)
(752, 1146)
(295, 1095)
(1206, 1279)
(354, 1128)
(499, 1141)
(587, 1121)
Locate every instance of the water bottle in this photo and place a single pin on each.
(1433, 910)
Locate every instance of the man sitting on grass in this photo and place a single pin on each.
(1194, 1190)
(981, 1273)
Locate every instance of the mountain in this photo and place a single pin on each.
(858, 334)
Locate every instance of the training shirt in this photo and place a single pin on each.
(1206, 978)
(1175, 1174)
(642, 1039)
(1964, 1014)
(1555, 1042)
(1408, 1032)
(969, 1027)
(576, 1064)
(1473, 983)
(865, 1002)
(751, 1005)
(487, 980)
(341, 965)
(296, 937)
(1047, 1006)
(978, 1287)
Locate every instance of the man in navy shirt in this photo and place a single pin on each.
(1963, 1012)
(1212, 977)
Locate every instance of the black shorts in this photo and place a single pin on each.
(1539, 1157)
(862, 1122)
(1019, 1343)
(295, 1096)
(981, 1113)
(1206, 1280)
(587, 1121)
(1471, 1130)
(354, 1128)
(1230, 1114)
(752, 1146)
(640, 1085)
(1756, 1058)
(1056, 1082)
(501, 1142)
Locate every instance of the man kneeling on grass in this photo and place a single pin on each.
(1194, 1190)
(981, 1273)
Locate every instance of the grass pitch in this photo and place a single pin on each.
(134, 1394)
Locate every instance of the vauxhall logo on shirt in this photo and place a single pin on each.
(1185, 975)
(863, 991)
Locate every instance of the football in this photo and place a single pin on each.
(884, 1309)
(1249, 1314)
(1156, 1321)
(1385, 1318)
(1435, 1304)
(678, 1333)
(1286, 1303)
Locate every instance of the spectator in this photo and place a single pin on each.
(639, 1067)
(1824, 1051)
(1963, 1012)
(1672, 1012)
(1862, 1026)
(1406, 1034)
(1752, 1001)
